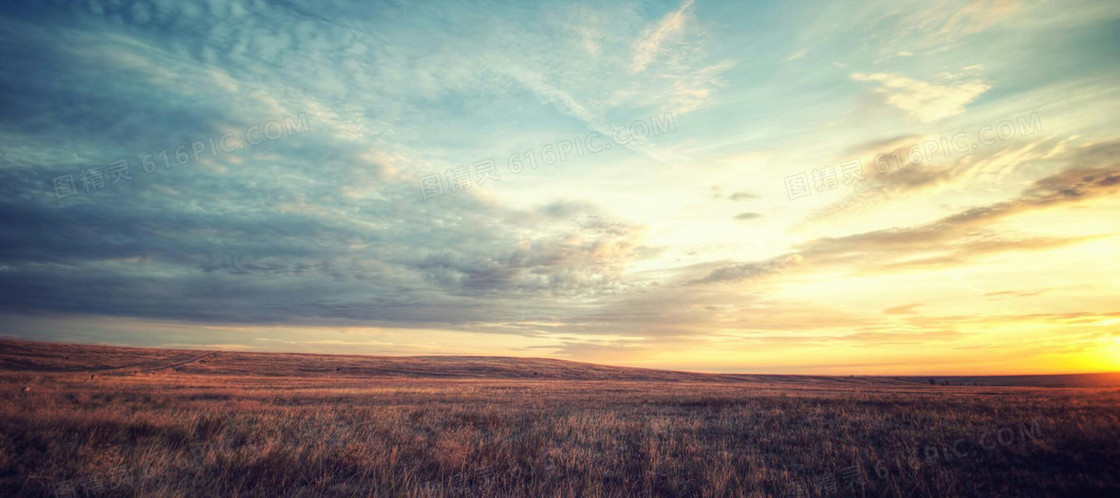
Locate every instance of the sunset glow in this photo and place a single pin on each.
(887, 188)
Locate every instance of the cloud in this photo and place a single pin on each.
(922, 100)
(988, 167)
(1015, 293)
(977, 16)
(649, 46)
(899, 179)
(907, 309)
(672, 69)
(916, 27)
(745, 271)
(692, 88)
(322, 228)
(747, 216)
(1093, 173)
(797, 55)
(736, 295)
(588, 260)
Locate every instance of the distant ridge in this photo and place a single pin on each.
(1061, 380)
(48, 357)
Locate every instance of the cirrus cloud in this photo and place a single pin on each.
(923, 100)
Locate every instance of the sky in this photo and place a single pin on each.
(851, 187)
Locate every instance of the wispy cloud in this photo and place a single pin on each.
(963, 236)
(651, 44)
(737, 272)
(977, 16)
(923, 100)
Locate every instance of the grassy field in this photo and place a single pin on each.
(103, 421)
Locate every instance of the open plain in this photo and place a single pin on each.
(110, 421)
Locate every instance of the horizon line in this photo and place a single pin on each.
(204, 348)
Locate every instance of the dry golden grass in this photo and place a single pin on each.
(178, 423)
